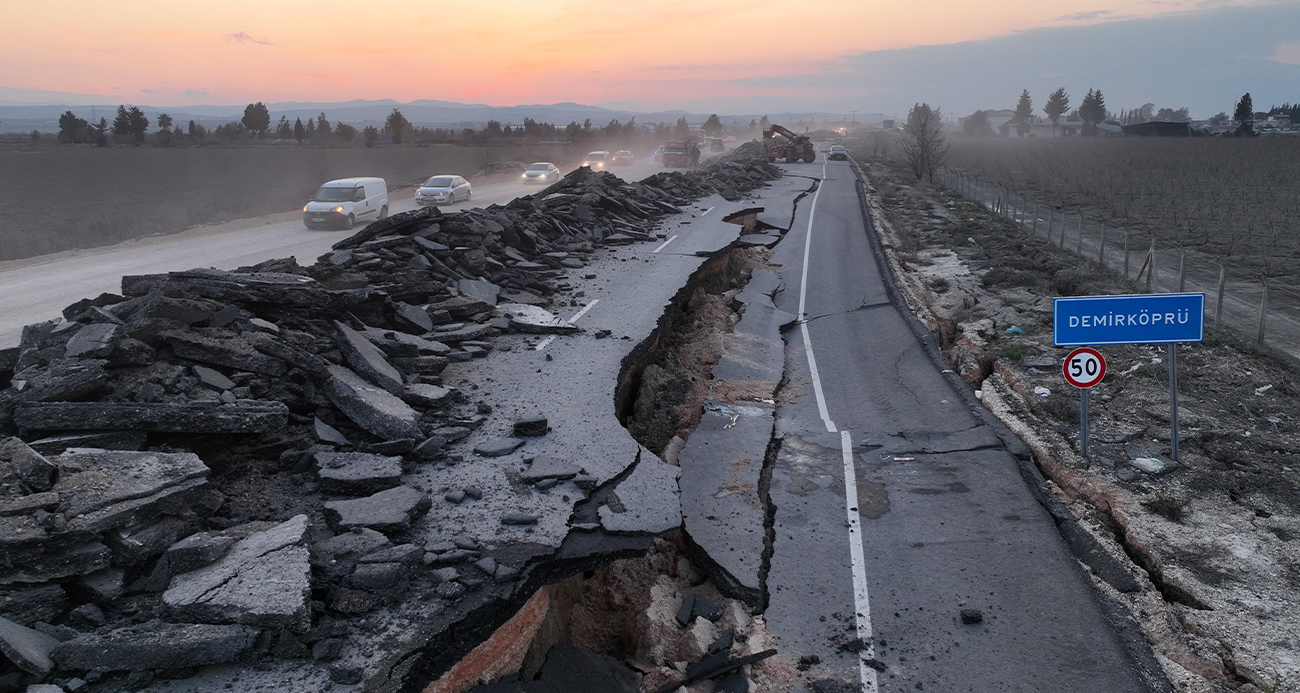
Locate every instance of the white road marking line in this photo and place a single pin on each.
(665, 243)
(543, 344)
(861, 601)
(803, 315)
(710, 209)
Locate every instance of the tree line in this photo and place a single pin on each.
(131, 125)
(1092, 112)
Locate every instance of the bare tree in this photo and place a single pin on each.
(925, 149)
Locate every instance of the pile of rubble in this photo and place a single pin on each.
(209, 467)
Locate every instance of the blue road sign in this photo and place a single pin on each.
(1141, 319)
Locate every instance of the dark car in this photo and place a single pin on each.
(838, 153)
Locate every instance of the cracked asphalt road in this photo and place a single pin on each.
(947, 524)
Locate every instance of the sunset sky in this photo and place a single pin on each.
(654, 54)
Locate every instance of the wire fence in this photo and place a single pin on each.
(1267, 309)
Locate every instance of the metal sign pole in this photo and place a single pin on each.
(1173, 401)
(1083, 421)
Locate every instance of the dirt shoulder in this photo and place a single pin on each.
(1213, 535)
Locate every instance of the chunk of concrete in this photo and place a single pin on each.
(30, 604)
(385, 511)
(721, 508)
(532, 319)
(264, 581)
(32, 469)
(357, 473)
(547, 467)
(328, 434)
(472, 331)
(428, 396)
(499, 448)
(92, 341)
(269, 345)
(117, 488)
(244, 416)
(367, 360)
(195, 551)
(234, 353)
(155, 645)
(415, 315)
(530, 426)
(371, 407)
(651, 499)
(484, 291)
(213, 378)
(28, 649)
(361, 541)
(106, 440)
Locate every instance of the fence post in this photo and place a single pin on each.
(1101, 248)
(1182, 270)
(1218, 298)
(1035, 229)
(1065, 221)
(1263, 311)
(1126, 254)
(1151, 255)
(1078, 249)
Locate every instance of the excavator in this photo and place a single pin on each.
(795, 148)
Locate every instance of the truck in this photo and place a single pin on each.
(792, 147)
(681, 153)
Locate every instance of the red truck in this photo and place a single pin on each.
(681, 153)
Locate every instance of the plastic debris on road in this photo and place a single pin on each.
(1042, 391)
(1015, 329)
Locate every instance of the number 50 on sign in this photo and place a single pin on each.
(1084, 367)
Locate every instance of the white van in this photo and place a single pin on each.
(346, 201)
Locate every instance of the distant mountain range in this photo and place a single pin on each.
(24, 117)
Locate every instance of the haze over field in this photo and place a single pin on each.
(725, 56)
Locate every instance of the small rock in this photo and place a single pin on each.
(445, 574)
(30, 650)
(488, 565)
(328, 434)
(328, 650)
(530, 427)
(477, 494)
(518, 519)
(450, 590)
(970, 617)
(346, 675)
(499, 448)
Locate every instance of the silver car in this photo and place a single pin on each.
(443, 190)
(542, 172)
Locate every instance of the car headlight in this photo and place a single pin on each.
(339, 209)
(304, 208)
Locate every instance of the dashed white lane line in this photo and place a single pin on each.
(710, 209)
(542, 344)
(861, 599)
(665, 244)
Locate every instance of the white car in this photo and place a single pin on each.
(542, 172)
(597, 161)
(442, 190)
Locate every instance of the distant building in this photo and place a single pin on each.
(1157, 128)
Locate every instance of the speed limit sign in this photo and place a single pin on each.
(1084, 367)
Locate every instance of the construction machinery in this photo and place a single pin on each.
(681, 153)
(792, 147)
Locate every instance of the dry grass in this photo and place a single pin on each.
(1228, 199)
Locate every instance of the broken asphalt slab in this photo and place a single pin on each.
(264, 581)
